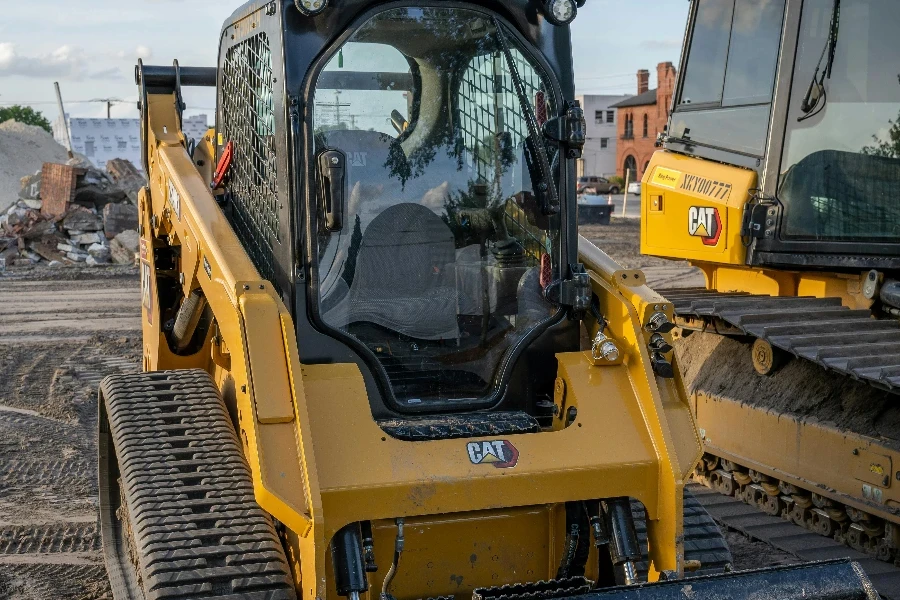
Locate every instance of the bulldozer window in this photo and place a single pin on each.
(729, 76)
(841, 165)
(437, 269)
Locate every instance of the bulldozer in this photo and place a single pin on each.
(378, 361)
(777, 177)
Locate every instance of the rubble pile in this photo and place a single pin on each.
(23, 149)
(73, 213)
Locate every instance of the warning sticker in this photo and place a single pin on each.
(175, 199)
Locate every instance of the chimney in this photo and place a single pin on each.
(643, 77)
(665, 72)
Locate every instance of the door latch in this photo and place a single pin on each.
(568, 129)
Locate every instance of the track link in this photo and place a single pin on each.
(820, 330)
(864, 535)
(178, 514)
(703, 540)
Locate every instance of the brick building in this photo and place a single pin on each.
(641, 117)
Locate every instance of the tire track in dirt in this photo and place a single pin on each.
(58, 339)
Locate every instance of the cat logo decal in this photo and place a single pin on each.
(704, 222)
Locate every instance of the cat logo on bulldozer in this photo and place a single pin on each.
(704, 222)
(499, 453)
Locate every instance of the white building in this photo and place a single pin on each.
(102, 140)
(599, 158)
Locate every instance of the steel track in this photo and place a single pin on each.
(792, 523)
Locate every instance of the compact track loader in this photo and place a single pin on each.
(779, 178)
(378, 360)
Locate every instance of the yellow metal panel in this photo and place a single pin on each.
(802, 451)
(268, 369)
(366, 474)
(692, 209)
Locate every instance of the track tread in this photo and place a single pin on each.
(814, 329)
(189, 492)
(703, 540)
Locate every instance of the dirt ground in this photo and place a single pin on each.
(61, 332)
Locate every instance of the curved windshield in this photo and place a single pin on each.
(446, 237)
(841, 163)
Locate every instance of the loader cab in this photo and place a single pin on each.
(426, 226)
(806, 93)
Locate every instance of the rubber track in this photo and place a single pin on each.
(703, 540)
(197, 528)
(820, 330)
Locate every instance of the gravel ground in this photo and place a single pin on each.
(61, 332)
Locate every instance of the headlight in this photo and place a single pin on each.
(310, 7)
(560, 12)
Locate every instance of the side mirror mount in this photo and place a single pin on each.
(332, 174)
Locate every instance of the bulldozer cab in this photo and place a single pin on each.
(430, 198)
(805, 93)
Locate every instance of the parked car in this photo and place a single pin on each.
(596, 185)
(634, 188)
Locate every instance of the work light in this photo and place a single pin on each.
(310, 7)
(560, 12)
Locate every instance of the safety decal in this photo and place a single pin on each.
(500, 453)
(666, 177)
(146, 281)
(704, 222)
(175, 199)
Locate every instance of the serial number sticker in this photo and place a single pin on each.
(175, 199)
(709, 188)
(668, 178)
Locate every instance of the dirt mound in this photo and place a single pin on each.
(722, 366)
(23, 151)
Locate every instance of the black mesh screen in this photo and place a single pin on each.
(488, 104)
(249, 121)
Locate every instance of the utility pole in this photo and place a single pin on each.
(64, 121)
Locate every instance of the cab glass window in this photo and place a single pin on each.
(730, 73)
(841, 165)
(441, 267)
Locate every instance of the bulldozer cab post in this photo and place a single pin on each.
(379, 361)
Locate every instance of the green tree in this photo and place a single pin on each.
(25, 114)
(890, 147)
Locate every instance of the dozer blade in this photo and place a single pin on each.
(827, 580)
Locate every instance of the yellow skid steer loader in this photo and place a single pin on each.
(378, 360)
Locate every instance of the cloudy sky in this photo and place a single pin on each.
(91, 46)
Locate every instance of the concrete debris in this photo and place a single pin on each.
(126, 176)
(72, 213)
(118, 218)
(82, 219)
(23, 150)
(124, 247)
(31, 187)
